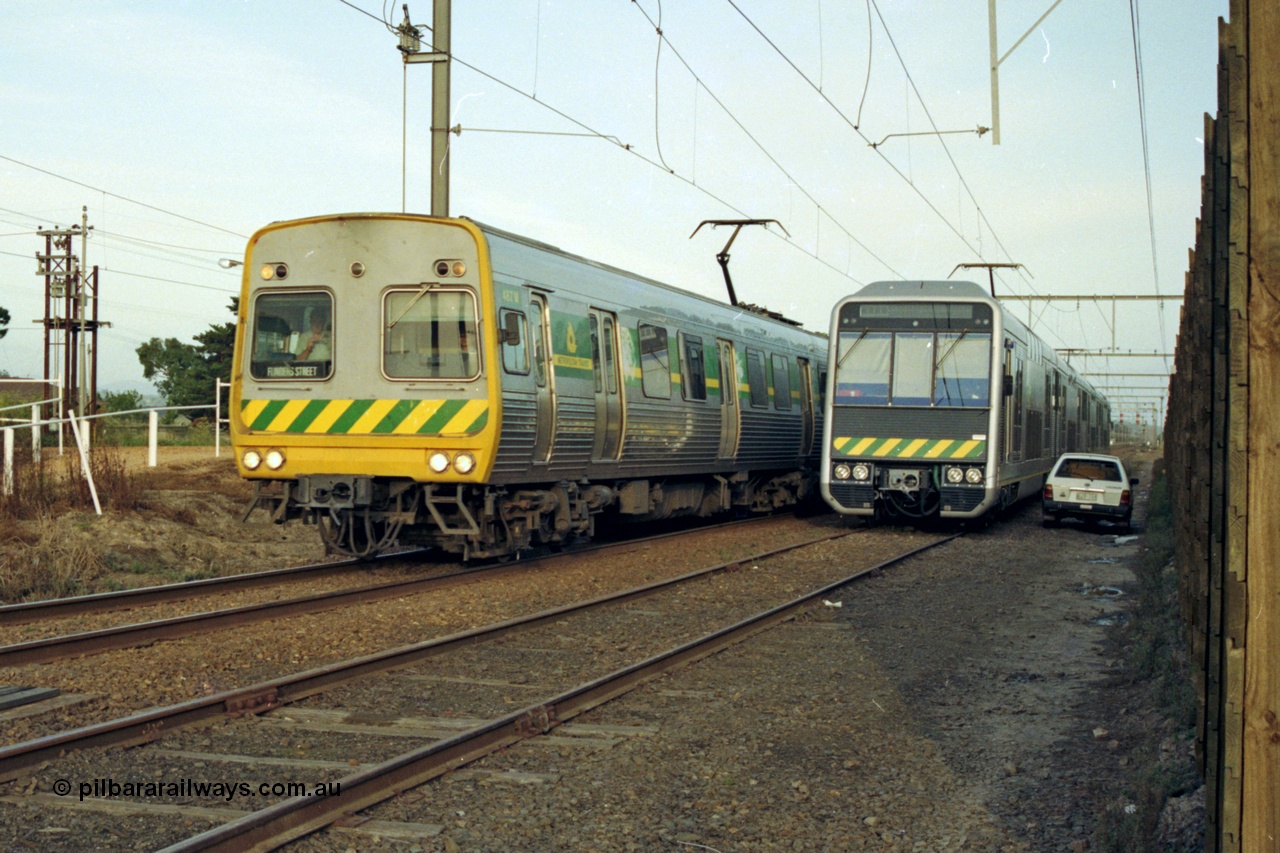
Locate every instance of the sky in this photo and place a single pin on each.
(185, 126)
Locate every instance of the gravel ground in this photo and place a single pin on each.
(968, 699)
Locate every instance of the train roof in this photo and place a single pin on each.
(927, 289)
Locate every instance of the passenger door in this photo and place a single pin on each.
(544, 378)
(729, 409)
(806, 408)
(609, 410)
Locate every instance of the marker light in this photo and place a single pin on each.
(464, 463)
(438, 461)
(274, 271)
(842, 471)
(251, 459)
(862, 471)
(973, 476)
(954, 475)
(459, 268)
(275, 459)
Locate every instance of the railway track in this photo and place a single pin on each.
(57, 647)
(289, 818)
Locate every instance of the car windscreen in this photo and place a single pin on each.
(1090, 469)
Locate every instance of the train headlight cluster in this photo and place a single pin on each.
(955, 475)
(439, 462)
(860, 472)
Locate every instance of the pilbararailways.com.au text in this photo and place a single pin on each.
(187, 788)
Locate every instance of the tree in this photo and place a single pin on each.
(185, 373)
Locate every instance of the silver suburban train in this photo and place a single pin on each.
(941, 404)
(403, 379)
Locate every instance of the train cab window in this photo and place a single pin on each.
(430, 333)
(913, 369)
(963, 375)
(292, 336)
(514, 334)
(781, 383)
(655, 362)
(757, 383)
(695, 369)
(862, 368)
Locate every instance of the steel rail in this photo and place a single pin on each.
(24, 612)
(177, 627)
(101, 602)
(296, 817)
(21, 758)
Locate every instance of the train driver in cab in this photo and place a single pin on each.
(316, 346)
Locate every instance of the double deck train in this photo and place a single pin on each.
(404, 379)
(941, 404)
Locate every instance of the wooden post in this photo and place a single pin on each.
(1260, 828)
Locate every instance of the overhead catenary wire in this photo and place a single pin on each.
(122, 197)
(1146, 160)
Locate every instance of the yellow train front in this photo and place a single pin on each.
(401, 379)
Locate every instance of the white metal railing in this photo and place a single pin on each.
(79, 429)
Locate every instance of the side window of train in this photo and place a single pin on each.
(695, 368)
(292, 336)
(781, 383)
(655, 362)
(514, 333)
(822, 389)
(756, 381)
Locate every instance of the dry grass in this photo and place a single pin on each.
(47, 564)
(58, 485)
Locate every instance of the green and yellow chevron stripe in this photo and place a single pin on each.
(911, 448)
(365, 417)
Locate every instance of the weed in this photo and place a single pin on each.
(48, 565)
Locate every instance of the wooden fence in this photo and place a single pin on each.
(1222, 445)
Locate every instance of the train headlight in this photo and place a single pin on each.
(275, 459)
(954, 475)
(862, 472)
(251, 459)
(271, 272)
(464, 463)
(973, 476)
(458, 268)
(842, 471)
(438, 461)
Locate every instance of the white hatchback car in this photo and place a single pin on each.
(1089, 486)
